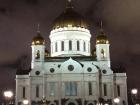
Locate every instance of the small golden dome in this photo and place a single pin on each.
(102, 38)
(70, 18)
(38, 40)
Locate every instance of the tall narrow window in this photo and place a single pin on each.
(67, 88)
(118, 90)
(105, 90)
(37, 54)
(56, 47)
(102, 53)
(62, 46)
(70, 88)
(73, 88)
(52, 88)
(23, 92)
(37, 91)
(70, 45)
(78, 46)
(84, 46)
(90, 88)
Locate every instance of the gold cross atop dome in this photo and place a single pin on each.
(38, 28)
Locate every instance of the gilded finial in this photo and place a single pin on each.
(101, 26)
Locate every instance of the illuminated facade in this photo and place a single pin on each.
(70, 75)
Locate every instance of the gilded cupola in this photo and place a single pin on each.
(70, 18)
(38, 39)
(102, 38)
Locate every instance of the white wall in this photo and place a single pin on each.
(80, 75)
(67, 34)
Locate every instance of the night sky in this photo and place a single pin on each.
(19, 20)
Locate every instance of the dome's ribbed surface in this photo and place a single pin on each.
(70, 18)
(38, 40)
(102, 38)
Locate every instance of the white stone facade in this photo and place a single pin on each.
(53, 76)
(76, 41)
(71, 76)
(81, 75)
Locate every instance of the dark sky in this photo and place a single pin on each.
(18, 25)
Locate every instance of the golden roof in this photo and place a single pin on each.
(102, 38)
(70, 18)
(38, 40)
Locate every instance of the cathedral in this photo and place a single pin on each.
(70, 74)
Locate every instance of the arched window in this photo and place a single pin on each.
(37, 54)
(71, 103)
(90, 104)
(70, 88)
(102, 53)
(62, 46)
(105, 89)
(56, 47)
(70, 45)
(78, 45)
(90, 88)
(37, 91)
(23, 92)
(52, 89)
(84, 46)
(118, 90)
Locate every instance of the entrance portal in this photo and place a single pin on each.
(71, 103)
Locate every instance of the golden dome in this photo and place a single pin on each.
(38, 40)
(70, 18)
(102, 38)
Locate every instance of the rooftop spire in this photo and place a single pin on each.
(101, 26)
(38, 28)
